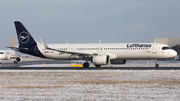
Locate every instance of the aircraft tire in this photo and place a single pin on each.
(85, 65)
(98, 65)
(15, 62)
(157, 65)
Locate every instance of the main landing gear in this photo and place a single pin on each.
(156, 64)
(98, 65)
(15, 62)
(86, 65)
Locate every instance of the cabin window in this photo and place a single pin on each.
(1, 53)
(165, 48)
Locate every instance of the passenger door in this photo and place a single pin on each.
(154, 49)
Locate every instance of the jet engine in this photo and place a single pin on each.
(118, 61)
(18, 59)
(100, 59)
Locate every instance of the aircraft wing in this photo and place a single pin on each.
(67, 52)
(14, 57)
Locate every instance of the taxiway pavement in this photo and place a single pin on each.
(45, 64)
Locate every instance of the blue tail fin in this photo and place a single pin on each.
(24, 37)
(27, 44)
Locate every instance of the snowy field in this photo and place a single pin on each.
(89, 85)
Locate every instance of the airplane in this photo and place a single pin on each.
(97, 53)
(9, 54)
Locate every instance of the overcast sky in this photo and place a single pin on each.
(87, 21)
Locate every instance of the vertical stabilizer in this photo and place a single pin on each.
(27, 44)
(24, 37)
(12, 44)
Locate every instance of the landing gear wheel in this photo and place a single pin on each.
(157, 65)
(85, 65)
(98, 65)
(15, 62)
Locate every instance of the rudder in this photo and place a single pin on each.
(24, 37)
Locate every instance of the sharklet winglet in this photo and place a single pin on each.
(44, 43)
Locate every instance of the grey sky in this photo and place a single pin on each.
(87, 21)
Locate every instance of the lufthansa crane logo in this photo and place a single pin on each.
(23, 37)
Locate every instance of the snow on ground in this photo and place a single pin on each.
(91, 85)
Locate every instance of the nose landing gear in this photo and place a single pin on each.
(156, 64)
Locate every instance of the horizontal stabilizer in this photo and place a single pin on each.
(16, 48)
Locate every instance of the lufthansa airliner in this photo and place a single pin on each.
(97, 53)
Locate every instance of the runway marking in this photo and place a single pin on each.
(76, 65)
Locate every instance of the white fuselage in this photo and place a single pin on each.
(114, 50)
(6, 54)
(98, 53)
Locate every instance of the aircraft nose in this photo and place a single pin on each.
(174, 53)
(1, 56)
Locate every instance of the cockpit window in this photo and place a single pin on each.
(165, 48)
(1, 53)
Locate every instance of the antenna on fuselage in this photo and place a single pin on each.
(99, 41)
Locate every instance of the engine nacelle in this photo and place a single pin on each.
(18, 59)
(8, 57)
(118, 61)
(101, 59)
